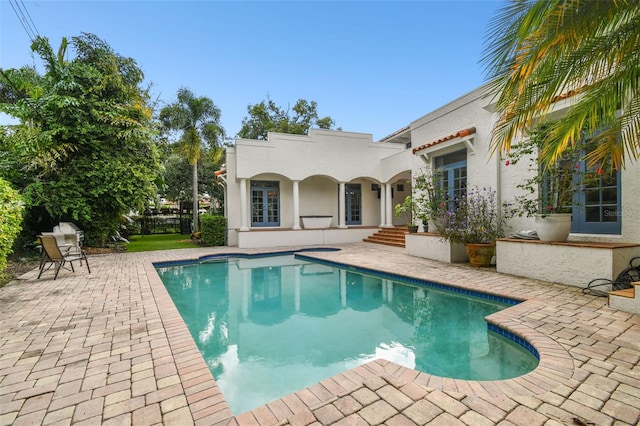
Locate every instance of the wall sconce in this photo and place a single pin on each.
(401, 187)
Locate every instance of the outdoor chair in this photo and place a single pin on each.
(54, 256)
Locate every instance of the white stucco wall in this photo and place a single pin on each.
(462, 113)
(557, 262)
(318, 162)
(342, 155)
(319, 196)
(324, 158)
(630, 211)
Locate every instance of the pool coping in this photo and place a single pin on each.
(207, 404)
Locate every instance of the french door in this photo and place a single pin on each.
(265, 203)
(353, 204)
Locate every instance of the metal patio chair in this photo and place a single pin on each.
(52, 255)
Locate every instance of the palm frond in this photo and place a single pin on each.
(541, 49)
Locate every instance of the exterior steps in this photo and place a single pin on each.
(388, 236)
(627, 300)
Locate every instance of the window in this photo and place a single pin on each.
(596, 208)
(452, 176)
(591, 194)
(265, 203)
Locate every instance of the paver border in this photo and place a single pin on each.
(555, 366)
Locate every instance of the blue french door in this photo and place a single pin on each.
(353, 204)
(265, 204)
(596, 208)
(452, 176)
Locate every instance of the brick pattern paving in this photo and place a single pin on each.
(110, 348)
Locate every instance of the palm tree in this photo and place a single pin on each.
(197, 119)
(540, 51)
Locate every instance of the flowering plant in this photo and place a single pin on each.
(483, 222)
(428, 196)
(551, 188)
(472, 218)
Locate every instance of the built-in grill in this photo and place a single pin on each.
(68, 236)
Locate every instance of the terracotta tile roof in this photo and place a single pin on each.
(565, 95)
(460, 134)
(221, 172)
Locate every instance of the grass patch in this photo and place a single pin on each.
(159, 242)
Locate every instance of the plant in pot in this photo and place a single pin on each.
(428, 198)
(407, 208)
(483, 225)
(474, 220)
(549, 192)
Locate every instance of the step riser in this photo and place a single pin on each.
(388, 236)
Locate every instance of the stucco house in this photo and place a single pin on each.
(276, 188)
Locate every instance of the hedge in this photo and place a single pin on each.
(214, 230)
(11, 207)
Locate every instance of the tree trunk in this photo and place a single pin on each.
(195, 197)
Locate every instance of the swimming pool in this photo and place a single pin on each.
(271, 325)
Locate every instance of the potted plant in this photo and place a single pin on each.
(428, 197)
(407, 208)
(483, 225)
(549, 192)
(475, 221)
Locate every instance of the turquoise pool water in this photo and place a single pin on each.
(270, 326)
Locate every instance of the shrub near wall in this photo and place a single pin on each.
(10, 220)
(214, 229)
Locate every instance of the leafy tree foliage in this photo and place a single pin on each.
(540, 51)
(267, 117)
(10, 220)
(197, 121)
(84, 149)
(178, 184)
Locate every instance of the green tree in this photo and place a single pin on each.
(197, 123)
(10, 220)
(178, 179)
(84, 149)
(539, 51)
(267, 117)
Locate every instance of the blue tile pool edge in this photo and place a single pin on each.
(387, 275)
(397, 277)
(412, 280)
(224, 256)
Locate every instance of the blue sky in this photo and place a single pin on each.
(373, 66)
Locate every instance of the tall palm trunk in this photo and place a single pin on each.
(195, 197)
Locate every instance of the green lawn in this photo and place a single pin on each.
(159, 242)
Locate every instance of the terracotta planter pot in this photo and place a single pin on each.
(480, 254)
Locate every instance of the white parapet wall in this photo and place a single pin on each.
(570, 263)
(431, 246)
(301, 237)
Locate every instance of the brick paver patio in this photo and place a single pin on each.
(110, 348)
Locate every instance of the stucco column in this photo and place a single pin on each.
(383, 204)
(296, 205)
(244, 225)
(389, 206)
(341, 206)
